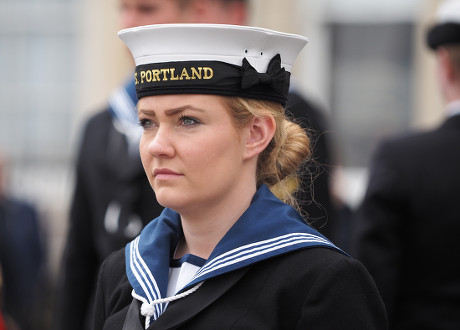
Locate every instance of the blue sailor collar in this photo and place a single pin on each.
(123, 100)
(267, 229)
(122, 106)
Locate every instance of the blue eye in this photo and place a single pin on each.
(188, 121)
(145, 123)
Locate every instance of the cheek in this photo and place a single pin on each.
(142, 145)
(197, 154)
(145, 156)
(212, 154)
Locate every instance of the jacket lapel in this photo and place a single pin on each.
(132, 320)
(180, 311)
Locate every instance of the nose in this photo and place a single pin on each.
(161, 144)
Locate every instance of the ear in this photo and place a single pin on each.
(261, 131)
(446, 66)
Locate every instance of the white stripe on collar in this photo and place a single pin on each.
(252, 251)
(144, 276)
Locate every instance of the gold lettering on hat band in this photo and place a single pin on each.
(213, 77)
(160, 75)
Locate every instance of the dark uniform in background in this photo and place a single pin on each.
(315, 195)
(408, 228)
(21, 263)
(408, 225)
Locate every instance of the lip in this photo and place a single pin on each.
(164, 173)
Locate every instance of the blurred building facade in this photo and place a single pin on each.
(366, 64)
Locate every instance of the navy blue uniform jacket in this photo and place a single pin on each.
(408, 227)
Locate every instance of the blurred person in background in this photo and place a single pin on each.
(409, 221)
(113, 200)
(21, 260)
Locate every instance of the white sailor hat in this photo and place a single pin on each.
(447, 27)
(219, 59)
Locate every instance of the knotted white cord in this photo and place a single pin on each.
(148, 309)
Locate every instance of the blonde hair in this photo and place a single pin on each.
(279, 163)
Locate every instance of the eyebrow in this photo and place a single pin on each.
(173, 111)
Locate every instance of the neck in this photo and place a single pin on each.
(204, 227)
(451, 91)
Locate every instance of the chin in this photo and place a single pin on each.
(169, 199)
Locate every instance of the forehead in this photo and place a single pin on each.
(203, 102)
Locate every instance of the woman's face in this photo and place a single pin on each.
(191, 152)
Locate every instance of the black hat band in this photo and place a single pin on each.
(213, 77)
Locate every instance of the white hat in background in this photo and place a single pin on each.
(447, 27)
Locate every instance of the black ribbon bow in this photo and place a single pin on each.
(275, 76)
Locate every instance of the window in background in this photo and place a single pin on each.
(371, 85)
(37, 78)
(38, 42)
